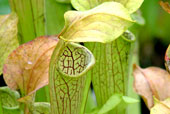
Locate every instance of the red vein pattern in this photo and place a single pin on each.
(73, 61)
(68, 90)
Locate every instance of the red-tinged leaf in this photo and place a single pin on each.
(27, 67)
(151, 82)
(165, 6)
(167, 59)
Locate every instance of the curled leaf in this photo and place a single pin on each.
(161, 107)
(68, 68)
(97, 24)
(165, 6)
(131, 5)
(114, 101)
(75, 60)
(129, 100)
(151, 82)
(111, 103)
(26, 68)
(8, 36)
(8, 101)
(9, 97)
(167, 59)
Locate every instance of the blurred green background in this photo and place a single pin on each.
(154, 36)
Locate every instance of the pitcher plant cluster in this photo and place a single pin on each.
(63, 69)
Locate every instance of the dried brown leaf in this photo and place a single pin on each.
(167, 59)
(151, 81)
(165, 6)
(27, 67)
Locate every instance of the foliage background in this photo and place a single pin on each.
(154, 36)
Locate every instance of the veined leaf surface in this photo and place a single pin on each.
(27, 67)
(109, 74)
(103, 23)
(68, 83)
(151, 82)
(8, 36)
(81, 5)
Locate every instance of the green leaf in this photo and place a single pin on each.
(114, 101)
(8, 36)
(126, 101)
(8, 101)
(27, 67)
(9, 97)
(111, 103)
(42, 95)
(41, 108)
(68, 81)
(90, 104)
(103, 23)
(81, 5)
(129, 100)
(131, 5)
(161, 107)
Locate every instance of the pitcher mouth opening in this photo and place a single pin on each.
(75, 60)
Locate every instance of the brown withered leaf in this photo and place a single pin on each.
(27, 67)
(165, 6)
(167, 59)
(151, 81)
